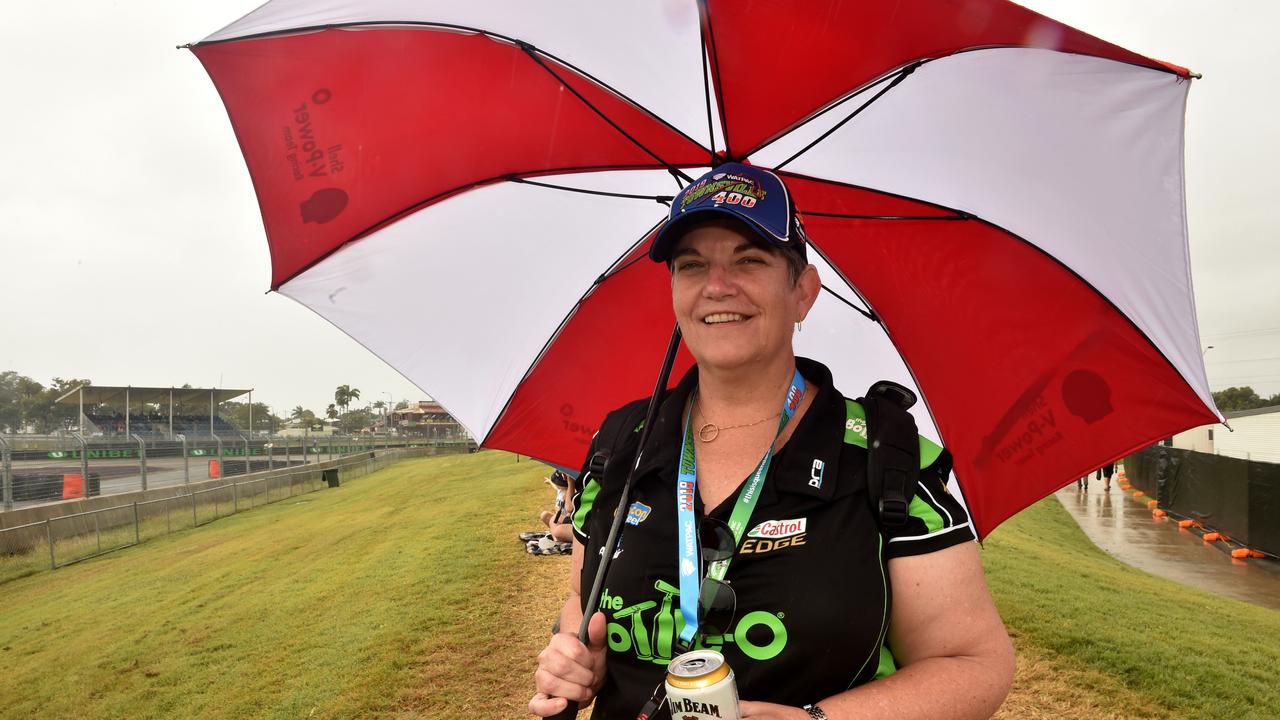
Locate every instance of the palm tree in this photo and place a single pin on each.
(331, 412)
(343, 396)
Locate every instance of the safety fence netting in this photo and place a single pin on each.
(1239, 499)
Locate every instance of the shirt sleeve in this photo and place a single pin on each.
(935, 518)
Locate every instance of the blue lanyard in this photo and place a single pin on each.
(687, 486)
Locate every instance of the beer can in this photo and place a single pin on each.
(700, 686)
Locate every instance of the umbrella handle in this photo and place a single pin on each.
(651, 415)
(569, 713)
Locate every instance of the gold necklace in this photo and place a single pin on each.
(710, 431)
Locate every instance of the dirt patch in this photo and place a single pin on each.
(1046, 687)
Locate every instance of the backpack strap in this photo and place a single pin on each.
(896, 454)
(618, 432)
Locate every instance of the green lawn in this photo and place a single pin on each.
(326, 605)
(404, 594)
(1171, 649)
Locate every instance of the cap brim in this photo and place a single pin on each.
(665, 243)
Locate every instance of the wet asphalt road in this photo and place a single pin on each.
(1124, 528)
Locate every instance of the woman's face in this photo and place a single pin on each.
(734, 300)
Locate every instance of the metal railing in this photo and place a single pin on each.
(41, 470)
(59, 541)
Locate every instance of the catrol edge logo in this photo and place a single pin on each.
(779, 528)
(775, 535)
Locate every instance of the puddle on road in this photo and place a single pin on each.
(1124, 529)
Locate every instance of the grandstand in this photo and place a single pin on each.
(153, 413)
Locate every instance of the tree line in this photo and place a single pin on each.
(1242, 398)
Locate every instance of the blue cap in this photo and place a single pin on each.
(753, 195)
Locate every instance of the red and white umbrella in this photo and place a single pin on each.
(468, 190)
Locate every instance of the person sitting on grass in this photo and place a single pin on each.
(558, 537)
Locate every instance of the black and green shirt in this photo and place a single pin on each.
(810, 575)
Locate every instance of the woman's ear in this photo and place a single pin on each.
(808, 285)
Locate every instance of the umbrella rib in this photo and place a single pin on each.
(864, 312)
(532, 52)
(661, 199)
(443, 26)
(479, 182)
(564, 322)
(713, 58)
(706, 85)
(846, 216)
(856, 93)
(900, 76)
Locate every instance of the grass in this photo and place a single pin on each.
(1099, 635)
(77, 538)
(391, 596)
(405, 595)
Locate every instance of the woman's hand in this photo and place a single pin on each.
(769, 711)
(569, 670)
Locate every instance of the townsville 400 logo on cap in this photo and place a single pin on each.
(724, 188)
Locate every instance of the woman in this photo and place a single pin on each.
(836, 616)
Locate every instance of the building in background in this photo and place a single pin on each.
(427, 419)
(1256, 436)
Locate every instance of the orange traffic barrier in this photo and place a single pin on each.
(215, 469)
(1240, 553)
(1257, 553)
(72, 486)
(1211, 537)
(1186, 523)
(1158, 513)
(1152, 503)
(1139, 494)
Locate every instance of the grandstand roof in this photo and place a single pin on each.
(98, 394)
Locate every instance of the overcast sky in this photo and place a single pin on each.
(132, 252)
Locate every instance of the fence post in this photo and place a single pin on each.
(84, 462)
(48, 531)
(195, 522)
(142, 462)
(271, 456)
(6, 471)
(235, 498)
(221, 472)
(137, 531)
(247, 467)
(186, 461)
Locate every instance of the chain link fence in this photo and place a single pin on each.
(57, 541)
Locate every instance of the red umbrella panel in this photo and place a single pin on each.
(996, 202)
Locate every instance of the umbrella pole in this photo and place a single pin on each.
(593, 598)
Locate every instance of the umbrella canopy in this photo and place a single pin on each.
(995, 200)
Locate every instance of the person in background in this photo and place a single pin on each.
(557, 538)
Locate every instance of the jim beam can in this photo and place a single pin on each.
(700, 686)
